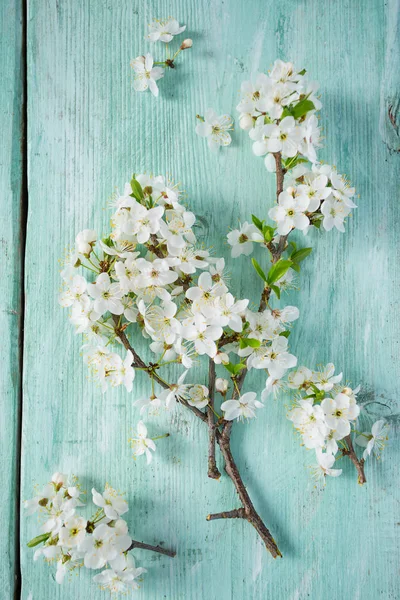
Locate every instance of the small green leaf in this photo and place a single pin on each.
(278, 270)
(234, 369)
(276, 290)
(285, 333)
(287, 112)
(137, 191)
(259, 269)
(108, 242)
(296, 267)
(257, 222)
(302, 72)
(302, 108)
(38, 540)
(300, 255)
(249, 342)
(268, 232)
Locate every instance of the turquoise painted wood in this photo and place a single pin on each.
(10, 297)
(88, 130)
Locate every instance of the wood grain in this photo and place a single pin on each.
(88, 131)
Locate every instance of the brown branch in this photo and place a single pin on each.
(158, 549)
(358, 463)
(248, 512)
(236, 513)
(138, 362)
(223, 440)
(213, 472)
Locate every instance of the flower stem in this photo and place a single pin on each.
(213, 471)
(158, 549)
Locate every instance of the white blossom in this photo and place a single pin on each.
(113, 504)
(141, 444)
(374, 441)
(242, 239)
(243, 407)
(146, 74)
(164, 31)
(215, 128)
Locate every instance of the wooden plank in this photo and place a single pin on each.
(88, 132)
(10, 297)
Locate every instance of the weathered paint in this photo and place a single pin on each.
(88, 130)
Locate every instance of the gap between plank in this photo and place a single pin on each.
(22, 234)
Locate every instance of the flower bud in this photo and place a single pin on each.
(348, 391)
(221, 385)
(246, 121)
(186, 44)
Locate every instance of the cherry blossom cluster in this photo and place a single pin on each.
(72, 541)
(146, 70)
(325, 414)
(150, 277)
(278, 110)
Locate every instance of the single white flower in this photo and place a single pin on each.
(301, 378)
(121, 371)
(326, 379)
(146, 74)
(315, 190)
(338, 412)
(102, 546)
(73, 532)
(198, 396)
(341, 189)
(141, 444)
(76, 293)
(215, 128)
(284, 138)
(107, 296)
(113, 504)
(242, 239)
(85, 241)
(243, 407)
(164, 31)
(273, 385)
(324, 467)
(175, 392)
(374, 441)
(290, 212)
(334, 213)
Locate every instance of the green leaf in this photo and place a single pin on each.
(249, 342)
(290, 163)
(300, 255)
(302, 108)
(137, 191)
(302, 72)
(296, 267)
(287, 112)
(278, 270)
(268, 232)
(258, 269)
(234, 369)
(108, 242)
(317, 223)
(38, 540)
(285, 333)
(276, 290)
(257, 222)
